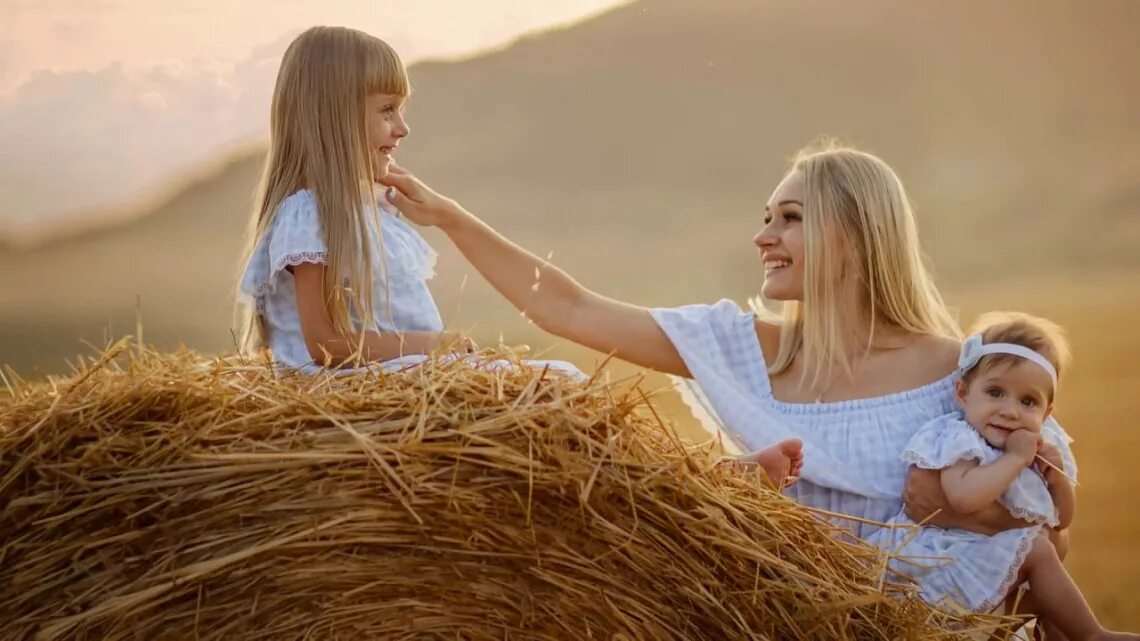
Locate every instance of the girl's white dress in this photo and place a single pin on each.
(402, 263)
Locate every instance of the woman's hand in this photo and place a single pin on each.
(547, 295)
(925, 502)
(416, 201)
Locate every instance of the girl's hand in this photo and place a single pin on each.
(415, 200)
(458, 343)
(1024, 444)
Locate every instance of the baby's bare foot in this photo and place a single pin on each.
(782, 462)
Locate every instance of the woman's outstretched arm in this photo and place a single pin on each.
(546, 294)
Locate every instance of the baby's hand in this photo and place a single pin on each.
(1023, 443)
(1052, 455)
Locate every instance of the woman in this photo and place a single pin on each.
(863, 354)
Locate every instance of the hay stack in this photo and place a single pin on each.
(157, 496)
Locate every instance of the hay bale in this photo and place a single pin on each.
(175, 496)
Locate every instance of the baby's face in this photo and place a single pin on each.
(1006, 398)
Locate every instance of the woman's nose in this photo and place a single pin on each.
(764, 238)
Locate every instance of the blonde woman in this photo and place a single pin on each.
(863, 354)
(332, 273)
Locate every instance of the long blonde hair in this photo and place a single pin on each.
(859, 232)
(318, 140)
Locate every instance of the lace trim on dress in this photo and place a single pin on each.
(288, 260)
(1007, 584)
(914, 458)
(1028, 514)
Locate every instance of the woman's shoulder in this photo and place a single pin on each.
(768, 333)
(927, 356)
(722, 327)
(918, 362)
(933, 357)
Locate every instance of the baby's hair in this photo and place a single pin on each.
(1038, 334)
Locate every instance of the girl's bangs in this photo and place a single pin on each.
(384, 72)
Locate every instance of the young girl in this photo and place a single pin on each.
(333, 274)
(993, 449)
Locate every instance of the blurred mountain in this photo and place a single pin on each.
(640, 146)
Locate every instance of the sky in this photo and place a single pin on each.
(104, 101)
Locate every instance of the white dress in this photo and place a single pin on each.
(852, 449)
(955, 568)
(402, 263)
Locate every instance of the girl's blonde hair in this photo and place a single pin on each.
(860, 239)
(1038, 334)
(318, 141)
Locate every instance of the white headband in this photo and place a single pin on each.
(973, 350)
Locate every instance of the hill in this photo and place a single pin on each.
(639, 147)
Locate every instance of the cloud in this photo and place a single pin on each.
(80, 131)
(78, 140)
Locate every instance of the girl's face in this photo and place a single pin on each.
(781, 241)
(1006, 398)
(385, 126)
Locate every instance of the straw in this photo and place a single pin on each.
(179, 496)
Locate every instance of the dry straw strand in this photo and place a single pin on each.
(180, 496)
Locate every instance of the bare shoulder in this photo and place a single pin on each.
(768, 332)
(934, 356)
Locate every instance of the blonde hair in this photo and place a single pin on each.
(859, 231)
(1038, 334)
(318, 140)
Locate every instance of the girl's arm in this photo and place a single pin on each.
(329, 348)
(970, 487)
(547, 295)
(1060, 487)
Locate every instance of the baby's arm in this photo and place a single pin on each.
(1060, 487)
(970, 487)
(329, 348)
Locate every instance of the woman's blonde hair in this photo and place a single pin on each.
(318, 140)
(860, 233)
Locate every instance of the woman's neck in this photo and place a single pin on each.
(864, 327)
